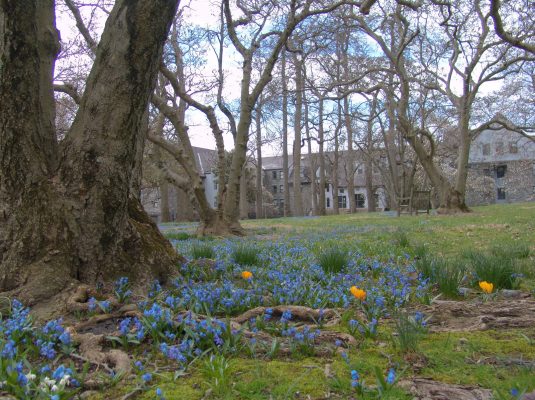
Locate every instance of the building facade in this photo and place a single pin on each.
(501, 168)
(274, 182)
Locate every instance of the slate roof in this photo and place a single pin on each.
(205, 159)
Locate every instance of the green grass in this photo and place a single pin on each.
(202, 250)
(492, 243)
(499, 269)
(333, 259)
(179, 236)
(245, 254)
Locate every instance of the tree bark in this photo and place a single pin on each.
(322, 182)
(298, 199)
(76, 219)
(285, 169)
(350, 159)
(312, 164)
(370, 194)
(243, 194)
(259, 191)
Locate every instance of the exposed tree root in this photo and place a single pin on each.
(427, 389)
(90, 348)
(300, 313)
(462, 316)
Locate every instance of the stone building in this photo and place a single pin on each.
(501, 168)
(179, 204)
(180, 207)
(273, 180)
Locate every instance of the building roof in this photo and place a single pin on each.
(205, 159)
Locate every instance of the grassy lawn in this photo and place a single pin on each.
(360, 280)
(469, 358)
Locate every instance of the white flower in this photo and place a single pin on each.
(49, 381)
(64, 380)
(30, 376)
(54, 388)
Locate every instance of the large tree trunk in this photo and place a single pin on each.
(322, 182)
(370, 193)
(259, 191)
(464, 151)
(285, 169)
(75, 219)
(350, 159)
(312, 165)
(244, 206)
(299, 84)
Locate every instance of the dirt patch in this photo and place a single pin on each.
(427, 389)
(463, 316)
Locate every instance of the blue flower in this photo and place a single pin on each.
(391, 377)
(146, 377)
(65, 338)
(92, 304)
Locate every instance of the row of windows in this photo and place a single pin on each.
(499, 172)
(360, 201)
(280, 188)
(277, 174)
(500, 148)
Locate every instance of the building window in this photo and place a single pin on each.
(513, 148)
(281, 189)
(274, 174)
(500, 171)
(274, 189)
(327, 185)
(360, 200)
(281, 174)
(328, 202)
(499, 148)
(486, 149)
(342, 202)
(360, 170)
(341, 190)
(501, 194)
(215, 185)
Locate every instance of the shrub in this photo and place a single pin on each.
(333, 259)
(202, 250)
(244, 254)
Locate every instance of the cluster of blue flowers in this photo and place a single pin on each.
(27, 350)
